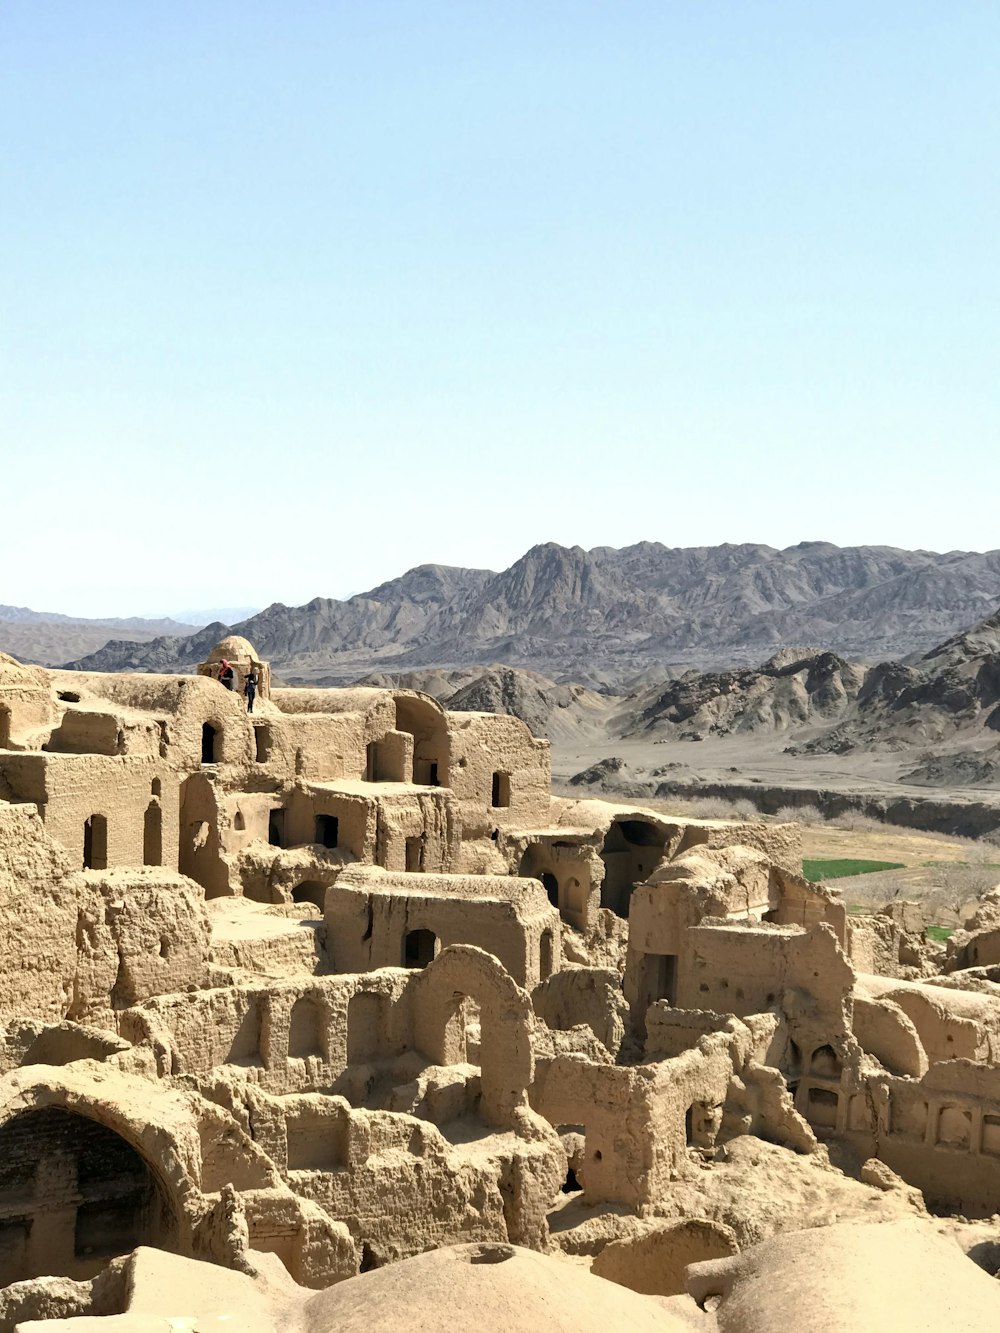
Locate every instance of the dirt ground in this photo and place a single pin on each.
(754, 759)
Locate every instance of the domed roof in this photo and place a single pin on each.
(493, 1287)
(234, 648)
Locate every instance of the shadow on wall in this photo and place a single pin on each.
(74, 1194)
(632, 850)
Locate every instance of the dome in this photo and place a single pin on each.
(234, 648)
(494, 1287)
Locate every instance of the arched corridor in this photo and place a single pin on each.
(73, 1194)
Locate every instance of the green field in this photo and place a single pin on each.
(821, 870)
(940, 933)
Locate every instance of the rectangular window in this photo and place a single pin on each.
(327, 830)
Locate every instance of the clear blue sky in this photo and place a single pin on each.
(293, 297)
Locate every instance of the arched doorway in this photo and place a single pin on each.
(551, 886)
(310, 891)
(210, 743)
(73, 1194)
(464, 1000)
(419, 948)
(425, 720)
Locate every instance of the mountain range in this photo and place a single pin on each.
(50, 637)
(604, 617)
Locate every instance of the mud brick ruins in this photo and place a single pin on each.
(310, 991)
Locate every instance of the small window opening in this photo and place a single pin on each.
(501, 790)
(69, 697)
(327, 830)
(414, 854)
(209, 744)
(156, 787)
(276, 828)
(262, 741)
(418, 948)
(545, 955)
(551, 885)
(371, 762)
(152, 835)
(239, 823)
(95, 843)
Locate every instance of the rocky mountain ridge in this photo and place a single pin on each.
(601, 617)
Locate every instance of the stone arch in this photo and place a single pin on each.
(462, 972)
(74, 1194)
(826, 1063)
(425, 720)
(166, 1181)
(312, 891)
(537, 862)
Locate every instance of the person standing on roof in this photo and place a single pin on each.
(250, 688)
(226, 674)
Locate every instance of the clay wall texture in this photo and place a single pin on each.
(342, 981)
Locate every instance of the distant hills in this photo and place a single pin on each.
(605, 617)
(50, 637)
(941, 715)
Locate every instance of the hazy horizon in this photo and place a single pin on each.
(232, 616)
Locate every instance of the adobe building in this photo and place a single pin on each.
(340, 981)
